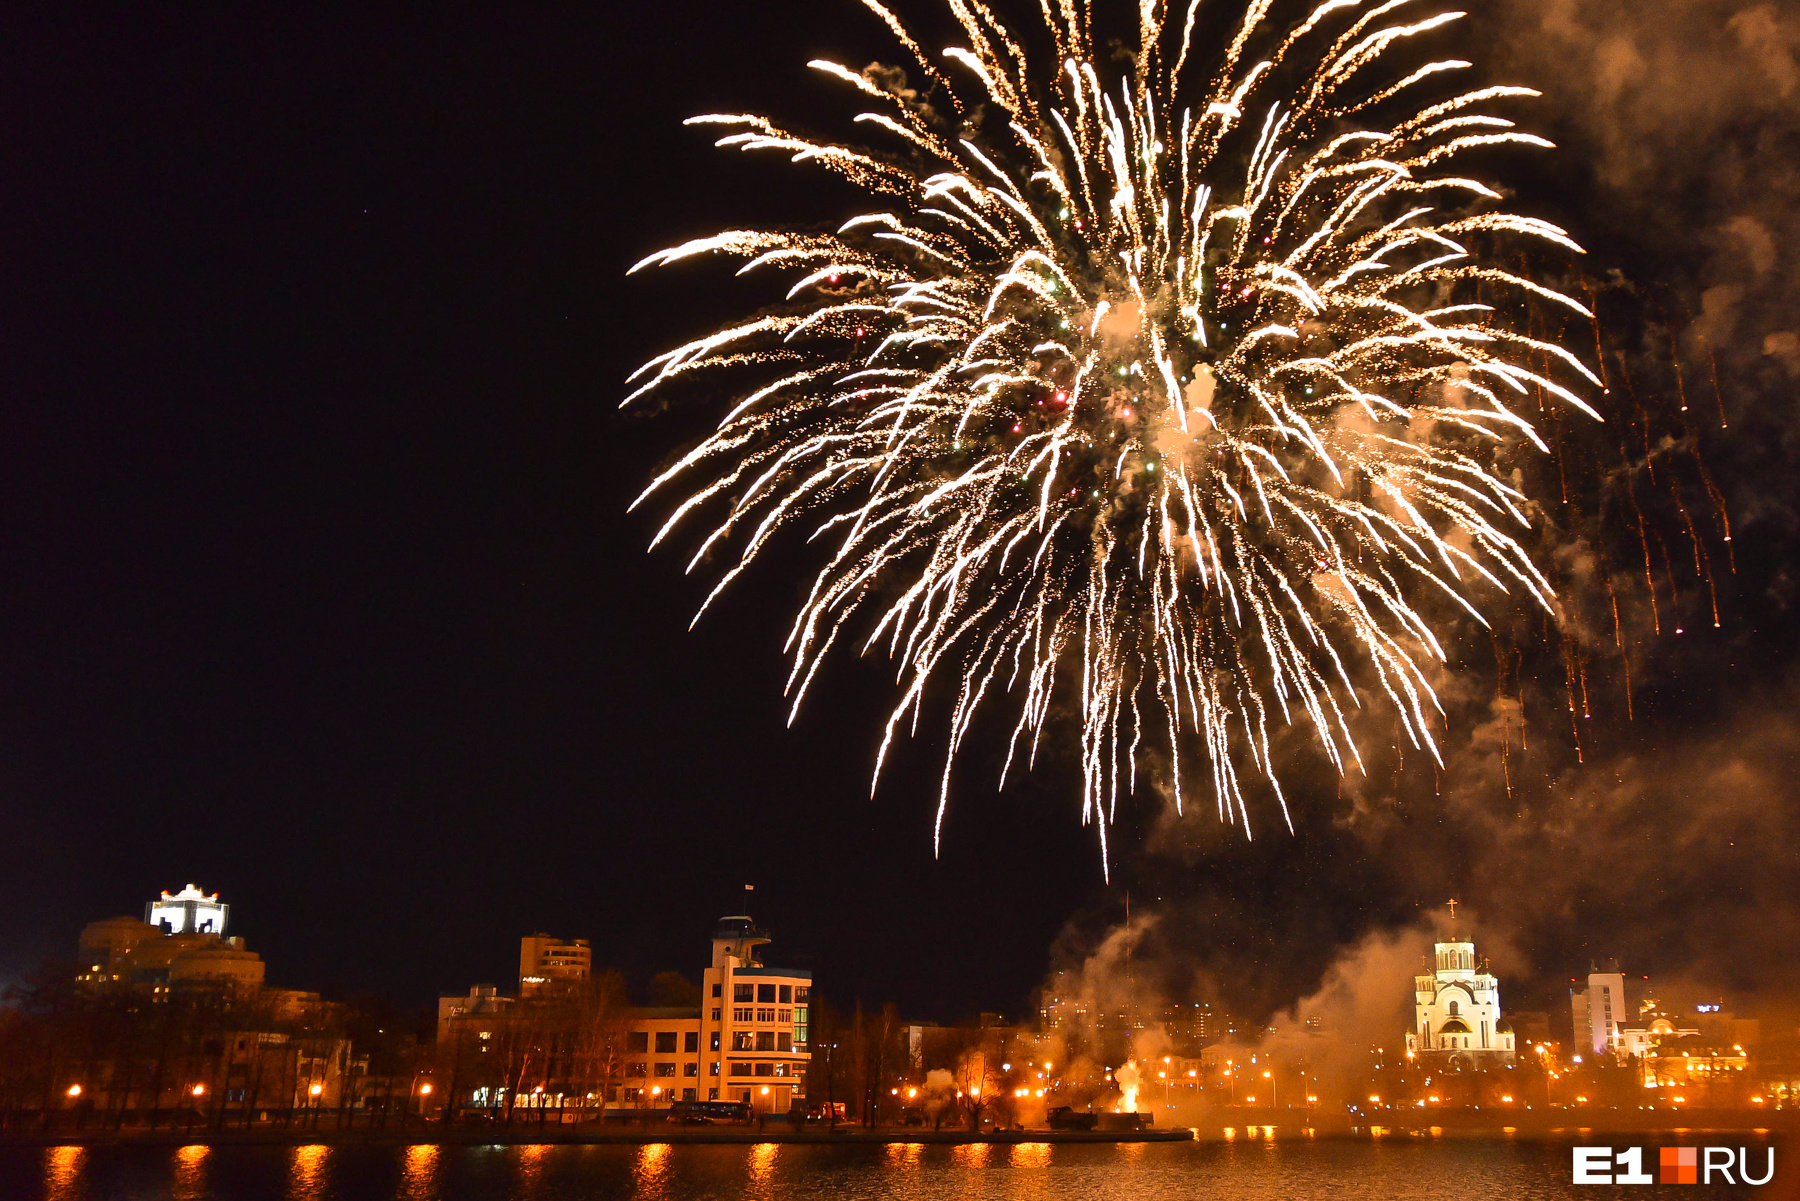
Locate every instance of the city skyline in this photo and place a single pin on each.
(322, 591)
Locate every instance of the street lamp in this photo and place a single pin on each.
(74, 1090)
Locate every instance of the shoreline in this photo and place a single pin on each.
(1213, 1128)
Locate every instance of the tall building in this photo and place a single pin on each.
(1456, 1012)
(753, 1021)
(181, 942)
(1599, 1014)
(546, 961)
(747, 1041)
(189, 911)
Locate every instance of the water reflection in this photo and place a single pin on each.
(189, 1183)
(306, 1173)
(650, 1171)
(62, 1173)
(1254, 1166)
(528, 1169)
(762, 1163)
(418, 1175)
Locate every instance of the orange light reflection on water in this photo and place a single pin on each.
(650, 1171)
(307, 1173)
(418, 1177)
(189, 1183)
(528, 1168)
(62, 1173)
(762, 1162)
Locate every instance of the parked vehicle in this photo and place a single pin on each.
(710, 1113)
(1064, 1117)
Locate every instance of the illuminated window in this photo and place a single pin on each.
(665, 1068)
(715, 1040)
(636, 1069)
(690, 1068)
(740, 1040)
(712, 1069)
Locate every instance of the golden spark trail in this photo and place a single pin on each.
(1172, 399)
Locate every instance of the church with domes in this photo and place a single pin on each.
(1456, 1012)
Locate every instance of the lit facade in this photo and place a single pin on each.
(182, 941)
(1456, 1012)
(189, 911)
(546, 962)
(1598, 1014)
(749, 1041)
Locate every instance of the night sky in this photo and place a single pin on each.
(317, 586)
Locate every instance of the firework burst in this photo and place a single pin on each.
(1175, 400)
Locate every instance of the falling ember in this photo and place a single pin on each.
(1242, 552)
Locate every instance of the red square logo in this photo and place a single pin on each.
(1681, 1165)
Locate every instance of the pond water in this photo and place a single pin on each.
(1391, 1169)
